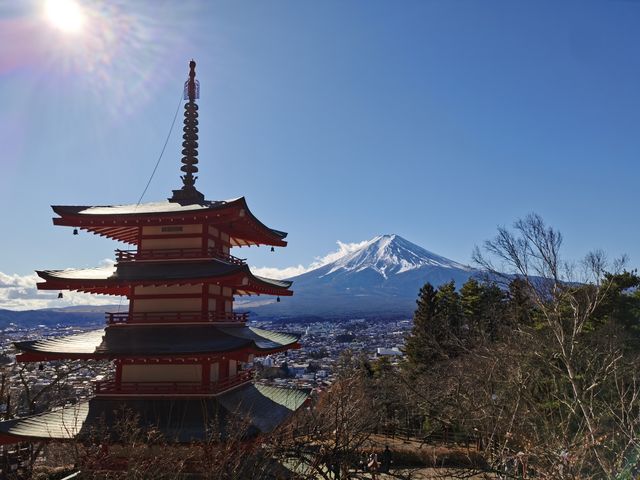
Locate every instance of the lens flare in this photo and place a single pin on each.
(112, 54)
(65, 15)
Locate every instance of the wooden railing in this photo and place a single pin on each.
(119, 318)
(176, 253)
(111, 387)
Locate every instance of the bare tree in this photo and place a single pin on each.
(131, 450)
(330, 437)
(570, 399)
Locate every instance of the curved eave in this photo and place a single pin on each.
(59, 424)
(264, 286)
(123, 222)
(275, 237)
(263, 340)
(118, 280)
(81, 346)
(150, 341)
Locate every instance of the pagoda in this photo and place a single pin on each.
(181, 354)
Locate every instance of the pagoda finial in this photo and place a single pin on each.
(188, 193)
(191, 92)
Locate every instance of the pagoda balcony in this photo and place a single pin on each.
(176, 254)
(111, 387)
(121, 318)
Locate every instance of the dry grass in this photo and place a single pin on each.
(413, 453)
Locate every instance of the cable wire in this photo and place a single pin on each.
(175, 116)
(166, 141)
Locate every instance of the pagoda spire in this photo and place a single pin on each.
(188, 193)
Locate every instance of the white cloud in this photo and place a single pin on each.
(279, 273)
(19, 292)
(343, 249)
(288, 272)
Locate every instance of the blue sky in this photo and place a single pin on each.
(338, 120)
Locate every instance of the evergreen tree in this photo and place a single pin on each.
(471, 298)
(450, 327)
(471, 301)
(494, 315)
(620, 305)
(439, 326)
(421, 348)
(520, 306)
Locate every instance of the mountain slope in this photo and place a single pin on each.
(382, 277)
(391, 255)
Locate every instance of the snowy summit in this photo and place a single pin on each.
(390, 255)
(381, 276)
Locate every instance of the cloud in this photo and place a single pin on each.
(288, 272)
(279, 273)
(343, 249)
(19, 292)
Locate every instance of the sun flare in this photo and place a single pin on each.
(65, 15)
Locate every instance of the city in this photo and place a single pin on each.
(310, 367)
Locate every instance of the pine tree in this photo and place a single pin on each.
(494, 311)
(438, 326)
(449, 328)
(484, 309)
(420, 347)
(472, 303)
(521, 307)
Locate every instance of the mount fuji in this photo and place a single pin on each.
(382, 277)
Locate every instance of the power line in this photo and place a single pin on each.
(163, 149)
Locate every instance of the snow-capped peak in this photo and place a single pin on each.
(390, 255)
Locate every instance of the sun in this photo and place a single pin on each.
(65, 15)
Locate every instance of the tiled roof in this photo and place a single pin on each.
(133, 340)
(172, 272)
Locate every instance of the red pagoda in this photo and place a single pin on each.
(180, 352)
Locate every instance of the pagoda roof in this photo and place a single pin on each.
(153, 208)
(178, 419)
(115, 279)
(60, 423)
(133, 340)
(122, 222)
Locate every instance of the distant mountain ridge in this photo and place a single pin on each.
(77, 315)
(382, 277)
